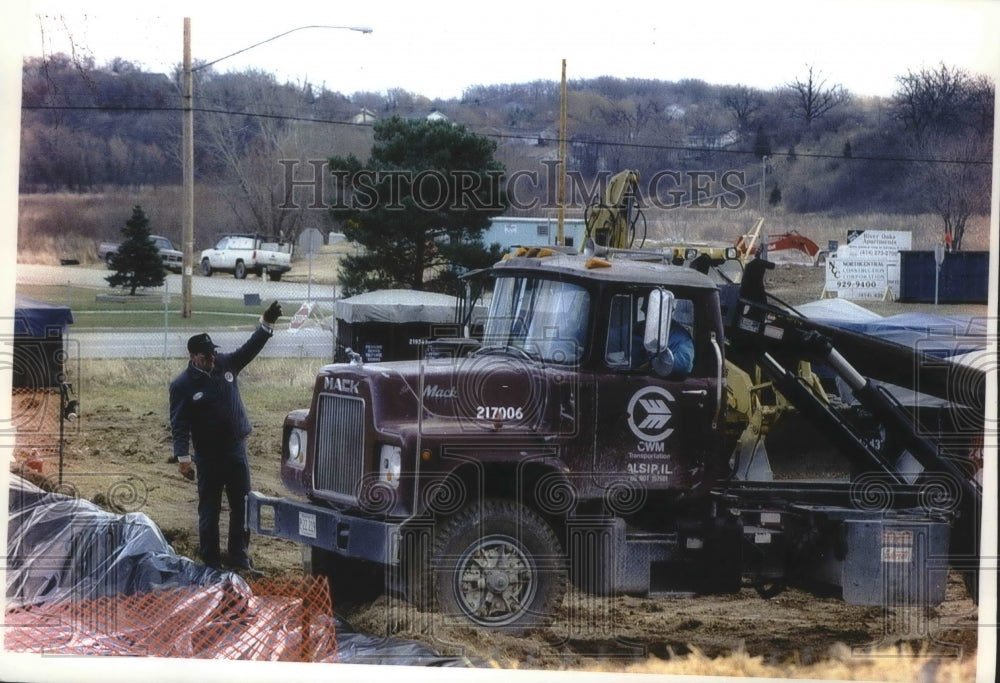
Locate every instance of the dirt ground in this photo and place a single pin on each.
(116, 458)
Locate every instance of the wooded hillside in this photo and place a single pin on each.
(927, 148)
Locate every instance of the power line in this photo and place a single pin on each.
(513, 136)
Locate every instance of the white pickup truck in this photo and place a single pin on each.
(242, 254)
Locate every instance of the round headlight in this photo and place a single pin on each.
(390, 464)
(296, 448)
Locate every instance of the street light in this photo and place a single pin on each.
(187, 148)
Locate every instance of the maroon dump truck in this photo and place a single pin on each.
(570, 441)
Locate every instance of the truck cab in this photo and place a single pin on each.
(569, 405)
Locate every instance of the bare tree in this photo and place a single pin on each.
(946, 116)
(931, 101)
(629, 116)
(247, 148)
(958, 188)
(943, 101)
(744, 103)
(813, 98)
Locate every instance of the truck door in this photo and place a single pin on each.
(220, 254)
(655, 426)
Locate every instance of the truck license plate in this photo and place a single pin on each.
(307, 525)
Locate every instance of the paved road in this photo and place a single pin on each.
(218, 285)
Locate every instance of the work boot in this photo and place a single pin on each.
(244, 567)
(249, 572)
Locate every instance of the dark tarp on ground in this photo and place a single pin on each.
(61, 548)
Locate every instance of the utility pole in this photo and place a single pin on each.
(763, 182)
(561, 198)
(187, 160)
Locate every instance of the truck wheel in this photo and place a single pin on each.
(274, 275)
(109, 260)
(206, 268)
(498, 564)
(240, 271)
(352, 582)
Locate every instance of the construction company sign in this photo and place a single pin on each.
(867, 267)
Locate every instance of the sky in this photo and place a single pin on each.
(440, 48)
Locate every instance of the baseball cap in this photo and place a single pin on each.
(201, 343)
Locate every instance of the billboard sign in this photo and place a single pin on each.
(867, 267)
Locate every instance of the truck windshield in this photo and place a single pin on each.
(544, 319)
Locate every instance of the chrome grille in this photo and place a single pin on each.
(340, 447)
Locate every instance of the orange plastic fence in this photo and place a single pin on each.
(287, 620)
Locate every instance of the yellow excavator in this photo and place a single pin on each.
(612, 221)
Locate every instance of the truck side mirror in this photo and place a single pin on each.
(659, 311)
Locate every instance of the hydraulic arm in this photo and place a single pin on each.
(612, 221)
(772, 337)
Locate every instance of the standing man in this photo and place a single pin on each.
(205, 406)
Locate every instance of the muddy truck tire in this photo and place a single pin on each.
(498, 564)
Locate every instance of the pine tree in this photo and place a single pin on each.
(775, 197)
(419, 206)
(137, 263)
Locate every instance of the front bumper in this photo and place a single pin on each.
(323, 527)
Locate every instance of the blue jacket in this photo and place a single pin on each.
(680, 344)
(207, 408)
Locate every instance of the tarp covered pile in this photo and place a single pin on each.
(83, 581)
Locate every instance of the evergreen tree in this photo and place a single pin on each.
(775, 197)
(137, 263)
(418, 206)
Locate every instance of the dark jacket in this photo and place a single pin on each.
(207, 406)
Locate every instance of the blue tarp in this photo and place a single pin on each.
(39, 319)
(941, 336)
